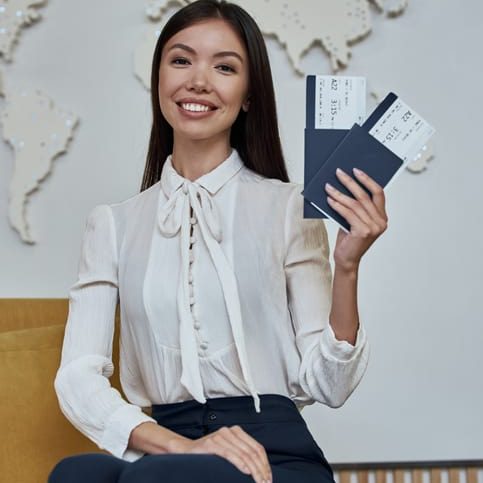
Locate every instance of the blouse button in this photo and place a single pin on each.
(193, 220)
(192, 300)
(204, 345)
(190, 277)
(197, 325)
(192, 239)
(192, 257)
(185, 188)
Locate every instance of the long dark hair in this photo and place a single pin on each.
(254, 134)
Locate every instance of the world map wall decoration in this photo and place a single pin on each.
(38, 131)
(335, 24)
(32, 125)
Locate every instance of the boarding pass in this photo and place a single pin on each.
(402, 130)
(340, 101)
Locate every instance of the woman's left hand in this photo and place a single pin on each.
(367, 218)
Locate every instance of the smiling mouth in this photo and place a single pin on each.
(193, 107)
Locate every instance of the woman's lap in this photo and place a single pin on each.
(180, 468)
(89, 468)
(170, 468)
(163, 468)
(293, 454)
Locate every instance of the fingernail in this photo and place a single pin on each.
(340, 171)
(358, 171)
(329, 187)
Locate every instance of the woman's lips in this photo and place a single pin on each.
(195, 114)
(195, 105)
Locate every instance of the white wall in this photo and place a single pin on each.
(419, 285)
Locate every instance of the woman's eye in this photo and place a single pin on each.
(179, 61)
(226, 68)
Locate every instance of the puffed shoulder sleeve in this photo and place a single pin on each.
(84, 392)
(330, 369)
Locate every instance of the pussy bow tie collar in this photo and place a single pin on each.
(173, 217)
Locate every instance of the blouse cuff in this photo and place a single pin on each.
(118, 429)
(341, 350)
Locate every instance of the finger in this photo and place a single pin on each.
(218, 445)
(378, 196)
(253, 443)
(244, 450)
(348, 202)
(257, 448)
(377, 213)
(233, 444)
(358, 227)
(214, 445)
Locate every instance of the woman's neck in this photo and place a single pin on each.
(194, 158)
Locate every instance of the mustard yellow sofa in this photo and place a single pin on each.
(35, 434)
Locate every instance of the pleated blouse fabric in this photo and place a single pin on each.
(224, 290)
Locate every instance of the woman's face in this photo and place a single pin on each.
(203, 80)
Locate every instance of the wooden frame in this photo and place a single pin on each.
(456, 471)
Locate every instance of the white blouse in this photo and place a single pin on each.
(231, 298)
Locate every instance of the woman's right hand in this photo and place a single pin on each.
(236, 446)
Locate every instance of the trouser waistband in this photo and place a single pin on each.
(226, 411)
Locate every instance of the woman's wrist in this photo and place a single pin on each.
(155, 439)
(178, 444)
(350, 270)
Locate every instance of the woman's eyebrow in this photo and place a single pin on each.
(223, 53)
(183, 47)
(226, 53)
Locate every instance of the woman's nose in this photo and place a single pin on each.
(199, 80)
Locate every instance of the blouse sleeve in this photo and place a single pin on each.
(330, 369)
(85, 395)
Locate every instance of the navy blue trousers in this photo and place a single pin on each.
(293, 454)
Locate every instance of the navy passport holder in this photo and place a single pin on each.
(318, 146)
(325, 150)
(357, 149)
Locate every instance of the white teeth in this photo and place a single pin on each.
(195, 107)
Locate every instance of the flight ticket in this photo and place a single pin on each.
(340, 101)
(402, 130)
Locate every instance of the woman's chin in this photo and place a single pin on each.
(197, 135)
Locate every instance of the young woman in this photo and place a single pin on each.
(224, 288)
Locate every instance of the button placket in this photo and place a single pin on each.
(191, 261)
(196, 322)
(203, 345)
